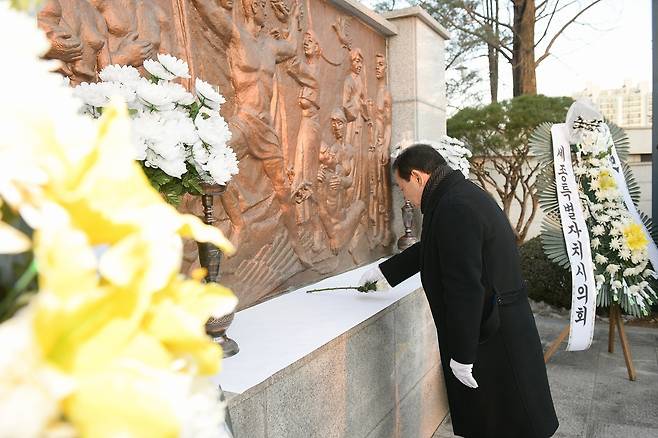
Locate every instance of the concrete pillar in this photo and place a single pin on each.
(417, 75)
(416, 58)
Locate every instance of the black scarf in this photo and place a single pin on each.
(432, 183)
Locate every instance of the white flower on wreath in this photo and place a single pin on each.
(595, 243)
(601, 259)
(613, 269)
(596, 207)
(616, 284)
(625, 254)
(598, 230)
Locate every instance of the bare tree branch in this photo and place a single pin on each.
(550, 20)
(559, 32)
(560, 9)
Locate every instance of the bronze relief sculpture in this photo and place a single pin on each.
(309, 112)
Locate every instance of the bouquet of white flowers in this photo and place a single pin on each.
(452, 150)
(180, 139)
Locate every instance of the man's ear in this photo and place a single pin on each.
(415, 176)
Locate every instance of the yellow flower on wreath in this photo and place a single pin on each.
(635, 237)
(605, 181)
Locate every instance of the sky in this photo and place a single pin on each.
(611, 46)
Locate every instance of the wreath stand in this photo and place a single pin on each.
(615, 320)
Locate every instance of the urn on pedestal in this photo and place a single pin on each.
(210, 258)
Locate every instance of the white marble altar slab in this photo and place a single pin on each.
(275, 334)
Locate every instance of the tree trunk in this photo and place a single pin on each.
(523, 56)
(493, 29)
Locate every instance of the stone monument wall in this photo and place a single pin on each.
(309, 111)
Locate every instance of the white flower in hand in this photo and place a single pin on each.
(375, 275)
(175, 66)
(463, 373)
(207, 94)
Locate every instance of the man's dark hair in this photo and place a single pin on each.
(421, 157)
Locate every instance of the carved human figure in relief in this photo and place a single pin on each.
(138, 30)
(338, 215)
(218, 16)
(253, 56)
(304, 70)
(355, 107)
(383, 116)
(78, 37)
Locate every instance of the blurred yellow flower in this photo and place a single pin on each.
(115, 342)
(635, 237)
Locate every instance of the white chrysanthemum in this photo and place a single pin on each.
(207, 94)
(598, 230)
(601, 259)
(579, 170)
(200, 153)
(173, 65)
(124, 74)
(178, 93)
(154, 96)
(222, 165)
(212, 128)
(613, 269)
(595, 243)
(616, 243)
(604, 218)
(201, 413)
(616, 284)
(94, 94)
(600, 279)
(156, 69)
(174, 166)
(625, 254)
(596, 207)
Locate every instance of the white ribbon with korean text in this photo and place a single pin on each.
(576, 237)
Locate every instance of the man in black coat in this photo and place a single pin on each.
(469, 265)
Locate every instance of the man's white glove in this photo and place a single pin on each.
(464, 373)
(374, 274)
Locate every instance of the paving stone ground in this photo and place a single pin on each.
(591, 391)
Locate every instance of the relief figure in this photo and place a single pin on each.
(383, 116)
(338, 215)
(138, 30)
(78, 37)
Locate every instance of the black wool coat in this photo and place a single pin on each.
(469, 265)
